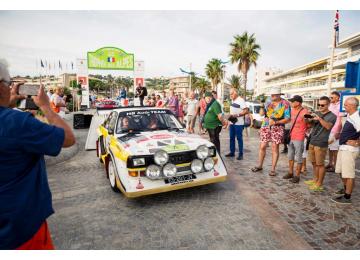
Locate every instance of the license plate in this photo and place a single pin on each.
(180, 179)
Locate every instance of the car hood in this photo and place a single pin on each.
(145, 143)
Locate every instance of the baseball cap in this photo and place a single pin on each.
(296, 98)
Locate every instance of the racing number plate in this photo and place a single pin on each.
(180, 179)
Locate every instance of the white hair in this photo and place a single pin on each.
(353, 101)
(4, 72)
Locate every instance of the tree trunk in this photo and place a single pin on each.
(245, 81)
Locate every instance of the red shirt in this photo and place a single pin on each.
(299, 129)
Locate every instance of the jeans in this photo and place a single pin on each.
(214, 137)
(141, 101)
(236, 131)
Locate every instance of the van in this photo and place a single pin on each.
(254, 109)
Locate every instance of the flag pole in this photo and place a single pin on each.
(190, 76)
(333, 46)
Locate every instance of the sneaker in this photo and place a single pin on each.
(288, 176)
(295, 179)
(341, 200)
(285, 151)
(316, 188)
(340, 192)
(309, 182)
(230, 155)
(240, 157)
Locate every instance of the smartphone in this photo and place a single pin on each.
(308, 116)
(29, 90)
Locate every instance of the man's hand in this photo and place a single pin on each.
(316, 117)
(14, 96)
(42, 100)
(271, 122)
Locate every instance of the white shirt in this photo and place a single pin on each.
(236, 107)
(354, 119)
(191, 107)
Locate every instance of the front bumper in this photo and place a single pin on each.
(166, 188)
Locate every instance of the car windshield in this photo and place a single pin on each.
(146, 120)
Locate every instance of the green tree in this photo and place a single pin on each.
(234, 81)
(202, 85)
(245, 53)
(215, 71)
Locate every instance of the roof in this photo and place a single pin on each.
(347, 42)
(133, 108)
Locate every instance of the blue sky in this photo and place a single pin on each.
(168, 40)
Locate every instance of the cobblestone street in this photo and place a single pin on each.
(248, 211)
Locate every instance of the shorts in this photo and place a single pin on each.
(345, 164)
(334, 145)
(191, 121)
(274, 135)
(317, 154)
(41, 240)
(295, 151)
(305, 153)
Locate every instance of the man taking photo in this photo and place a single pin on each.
(322, 121)
(25, 197)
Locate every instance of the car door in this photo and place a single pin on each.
(110, 127)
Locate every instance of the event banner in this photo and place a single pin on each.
(82, 78)
(110, 58)
(139, 74)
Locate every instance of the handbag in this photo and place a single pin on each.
(287, 135)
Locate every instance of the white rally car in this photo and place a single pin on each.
(147, 151)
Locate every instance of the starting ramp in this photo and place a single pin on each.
(96, 121)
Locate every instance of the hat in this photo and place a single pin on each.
(275, 91)
(296, 98)
(208, 94)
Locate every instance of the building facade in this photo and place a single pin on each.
(311, 80)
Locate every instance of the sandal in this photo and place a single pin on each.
(256, 169)
(272, 173)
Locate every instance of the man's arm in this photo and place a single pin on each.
(42, 101)
(325, 124)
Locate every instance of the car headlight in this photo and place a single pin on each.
(196, 166)
(169, 170)
(209, 164)
(161, 157)
(202, 152)
(139, 161)
(153, 171)
(212, 151)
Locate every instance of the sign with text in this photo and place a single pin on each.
(82, 78)
(110, 58)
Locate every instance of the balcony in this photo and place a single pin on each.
(341, 60)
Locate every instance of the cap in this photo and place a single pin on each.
(296, 98)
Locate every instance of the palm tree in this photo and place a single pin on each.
(244, 52)
(215, 71)
(202, 85)
(234, 81)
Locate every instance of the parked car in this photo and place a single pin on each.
(146, 151)
(255, 109)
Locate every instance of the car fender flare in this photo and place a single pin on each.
(116, 170)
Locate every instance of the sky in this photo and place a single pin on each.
(167, 40)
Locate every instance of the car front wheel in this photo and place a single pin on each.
(112, 177)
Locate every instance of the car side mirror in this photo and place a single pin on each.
(111, 131)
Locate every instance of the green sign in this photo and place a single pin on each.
(110, 58)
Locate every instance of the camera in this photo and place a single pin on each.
(308, 116)
(28, 91)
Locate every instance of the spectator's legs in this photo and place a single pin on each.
(141, 101)
(275, 155)
(217, 137)
(214, 137)
(291, 167)
(232, 138)
(349, 184)
(239, 136)
(262, 153)
(335, 153)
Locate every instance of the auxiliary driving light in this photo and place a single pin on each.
(196, 166)
(209, 164)
(153, 171)
(169, 170)
(202, 152)
(161, 157)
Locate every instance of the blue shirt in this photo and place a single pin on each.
(25, 197)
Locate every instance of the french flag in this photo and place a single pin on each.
(111, 59)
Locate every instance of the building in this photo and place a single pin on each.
(180, 84)
(62, 80)
(310, 80)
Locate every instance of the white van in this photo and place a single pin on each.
(254, 109)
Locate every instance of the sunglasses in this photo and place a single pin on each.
(322, 105)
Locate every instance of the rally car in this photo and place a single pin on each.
(106, 104)
(147, 151)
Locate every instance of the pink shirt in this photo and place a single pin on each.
(202, 106)
(335, 108)
(299, 130)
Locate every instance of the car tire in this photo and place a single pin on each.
(112, 175)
